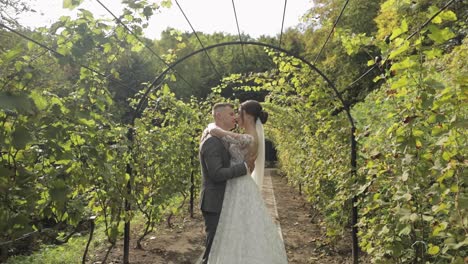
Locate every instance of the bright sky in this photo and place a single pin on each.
(256, 17)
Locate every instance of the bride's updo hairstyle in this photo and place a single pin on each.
(254, 109)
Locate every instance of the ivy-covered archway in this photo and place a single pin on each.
(334, 91)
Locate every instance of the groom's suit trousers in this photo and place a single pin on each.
(211, 223)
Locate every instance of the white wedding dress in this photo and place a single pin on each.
(246, 233)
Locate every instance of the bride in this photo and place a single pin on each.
(246, 232)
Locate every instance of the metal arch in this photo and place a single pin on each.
(198, 38)
(353, 142)
(238, 30)
(118, 20)
(331, 31)
(282, 22)
(337, 94)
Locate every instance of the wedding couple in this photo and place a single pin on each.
(239, 229)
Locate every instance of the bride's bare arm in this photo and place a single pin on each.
(217, 132)
(231, 137)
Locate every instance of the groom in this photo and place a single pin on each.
(216, 170)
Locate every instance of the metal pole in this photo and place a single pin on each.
(192, 193)
(126, 250)
(91, 232)
(354, 211)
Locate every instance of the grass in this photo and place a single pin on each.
(72, 252)
(68, 253)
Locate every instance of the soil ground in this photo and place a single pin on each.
(301, 228)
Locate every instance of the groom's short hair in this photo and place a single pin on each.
(218, 106)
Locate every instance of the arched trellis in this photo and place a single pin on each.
(156, 84)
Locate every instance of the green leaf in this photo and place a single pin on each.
(71, 4)
(31, 45)
(405, 231)
(19, 102)
(166, 3)
(147, 12)
(5, 175)
(398, 31)
(454, 188)
(120, 32)
(448, 15)
(137, 47)
(438, 228)
(414, 217)
(446, 155)
(433, 250)
(446, 175)
(405, 64)
(166, 90)
(39, 100)
(129, 18)
(427, 218)
(433, 53)
(85, 13)
(437, 20)
(107, 47)
(21, 137)
(58, 193)
(440, 207)
(440, 36)
(418, 133)
(77, 139)
(404, 47)
(11, 54)
(436, 131)
(407, 196)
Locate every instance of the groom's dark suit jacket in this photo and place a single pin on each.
(216, 170)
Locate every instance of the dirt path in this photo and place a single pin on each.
(303, 230)
(304, 237)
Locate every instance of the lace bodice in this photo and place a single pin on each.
(238, 147)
